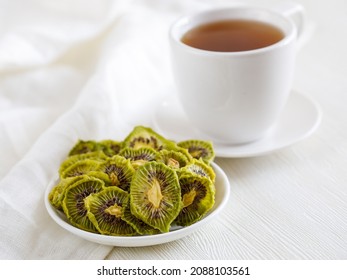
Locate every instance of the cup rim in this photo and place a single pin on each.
(186, 19)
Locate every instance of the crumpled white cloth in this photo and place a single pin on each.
(71, 69)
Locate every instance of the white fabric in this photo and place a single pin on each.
(71, 69)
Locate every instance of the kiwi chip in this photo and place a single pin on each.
(173, 159)
(57, 194)
(119, 171)
(145, 137)
(141, 185)
(200, 168)
(98, 156)
(105, 211)
(155, 195)
(139, 156)
(110, 147)
(197, 198)
(80, 168)
(73, 202)
(199, 149)
(83, 147)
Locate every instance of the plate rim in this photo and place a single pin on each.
(141, 240)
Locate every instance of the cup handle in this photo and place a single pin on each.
(296, 13)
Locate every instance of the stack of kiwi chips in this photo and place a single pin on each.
(142, 185)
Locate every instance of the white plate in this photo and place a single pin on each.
(300, 118)
(221, 199)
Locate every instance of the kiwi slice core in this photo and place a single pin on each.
(188, 198)
(154, 194)
(114, 210)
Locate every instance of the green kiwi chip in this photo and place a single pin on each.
(141, 185)
(84, 146)
(173, 159)
(57, 194)
(142, 136)
(119, 171)
(199, 149)
(197, 198)
(81, 167)
(73, 202)
(139, 156)
(155, 195)
(110, 147)
(200, 168)
(70, 160)
(105, 210)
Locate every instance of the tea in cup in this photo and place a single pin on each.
(233, 69)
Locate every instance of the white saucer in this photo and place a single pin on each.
(300, 118)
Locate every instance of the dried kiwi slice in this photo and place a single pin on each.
(98, 156)
(139, 156)
(173, 159)
(80, 168)
(197, 198)
(105, 210)
(73, 202)
(145, 137)
(84, 146)
(119, 171)
(57, 194)
(155, 195)
(110, 147)
(199, 167)
(199, 149)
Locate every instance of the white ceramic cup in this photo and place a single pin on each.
(235, 97)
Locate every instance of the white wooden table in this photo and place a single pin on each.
(291, 204)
